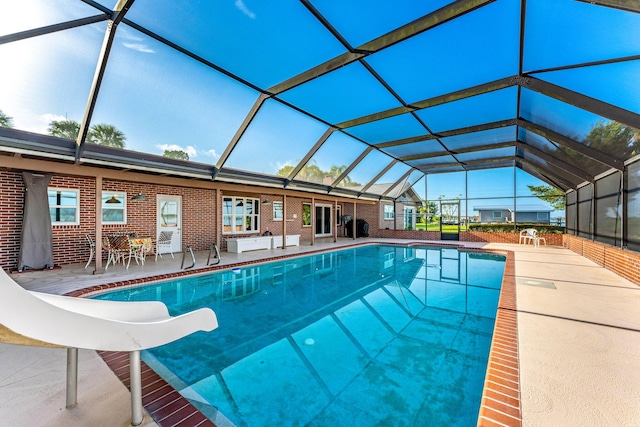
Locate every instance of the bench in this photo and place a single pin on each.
(242, 244)
(292, 240)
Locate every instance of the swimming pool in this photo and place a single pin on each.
(374, 335)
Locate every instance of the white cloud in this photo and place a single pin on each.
(140, 47)
(211, 153)
(36, 123)
(244, 9)
(133, 41)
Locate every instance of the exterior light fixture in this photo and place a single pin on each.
(113, 200)
(266, 202)
(139, 197)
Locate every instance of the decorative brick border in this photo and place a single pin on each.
(166, 406)
(500, 405)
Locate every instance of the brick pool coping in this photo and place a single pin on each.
(500, 405)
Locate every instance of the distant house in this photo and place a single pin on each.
(532, 214)
(400, 215)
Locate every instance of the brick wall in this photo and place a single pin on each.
(622, 262)
(491, 237)
(12, 190)
(408, 234)
(200, 221)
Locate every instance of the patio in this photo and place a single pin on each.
(578, 337)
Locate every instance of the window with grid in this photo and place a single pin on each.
(388, 211)
(240, 215)
(64, 206)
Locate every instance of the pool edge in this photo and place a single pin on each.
(500, 404)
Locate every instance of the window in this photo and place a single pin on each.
(114, 208)
(338, 215)
(572, 212)
(608, 209)
(633, 206)
(388, 211)
(542, 216)
(496, 214)
(277, 211)
(585, 211)
(306, 214)
(64, 206)
(240, 215)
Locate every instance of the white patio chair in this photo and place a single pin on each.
(528, 235)
(37, 319)
(164, 242)
(92, 249)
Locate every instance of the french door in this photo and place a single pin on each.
(323, 220)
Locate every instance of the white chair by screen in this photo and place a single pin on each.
(38, 319)
(164, 242)
(528, 235)
(92, 249)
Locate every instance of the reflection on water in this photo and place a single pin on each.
(316, 339)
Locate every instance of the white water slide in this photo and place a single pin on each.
(37, 319)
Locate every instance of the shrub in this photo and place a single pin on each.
(509, 228)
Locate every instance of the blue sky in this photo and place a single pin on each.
(162, 99)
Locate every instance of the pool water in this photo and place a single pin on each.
(375, 335)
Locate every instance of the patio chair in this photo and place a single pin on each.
(164, 242)
(123, 250)
(92, 249)
(528, 235)
(38, 319)
(111, 252)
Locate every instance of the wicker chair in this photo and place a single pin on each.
(164, 242)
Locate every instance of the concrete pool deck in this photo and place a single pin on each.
(578, 339)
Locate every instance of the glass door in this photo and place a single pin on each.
(323, 220)
(450, 220)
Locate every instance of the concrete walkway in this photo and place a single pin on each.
(579, 343)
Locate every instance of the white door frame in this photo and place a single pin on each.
(172, 221)
(325, 208)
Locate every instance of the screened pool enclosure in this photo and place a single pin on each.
(488, 104)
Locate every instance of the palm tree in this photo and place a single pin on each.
(108, 135)
(5, 121)
(64, 129)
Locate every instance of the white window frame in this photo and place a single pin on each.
(388, 213)
(76, 207)
(254, 216)
(106, 195)
(493, 214)
(278, 211)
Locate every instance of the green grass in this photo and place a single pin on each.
(435, 226)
